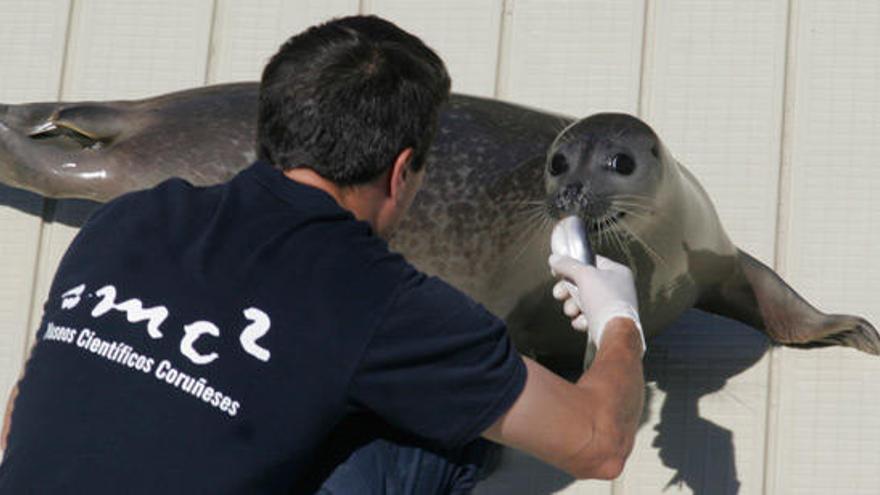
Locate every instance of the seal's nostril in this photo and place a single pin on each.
(570, 194)
(573, 190)
(558, 164)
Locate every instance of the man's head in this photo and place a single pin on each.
(345, 98)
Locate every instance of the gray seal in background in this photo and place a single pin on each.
(483, 219)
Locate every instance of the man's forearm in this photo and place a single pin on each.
(586, 429)
(617, 378)
(7, 418)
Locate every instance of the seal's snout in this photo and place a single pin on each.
(574, 199)
(570, 198)
(572, 191)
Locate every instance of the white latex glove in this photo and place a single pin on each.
(604, 292)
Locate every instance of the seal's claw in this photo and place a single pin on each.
(851, 331)
(863, 336)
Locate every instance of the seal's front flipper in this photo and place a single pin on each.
(754, 294)
(52, 151)
(90, 125)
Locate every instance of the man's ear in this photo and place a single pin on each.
(400, 172)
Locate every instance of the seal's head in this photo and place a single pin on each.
(606, 169)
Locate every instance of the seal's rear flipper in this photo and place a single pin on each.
(757, 296)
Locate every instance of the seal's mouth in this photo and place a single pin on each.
(574, 199)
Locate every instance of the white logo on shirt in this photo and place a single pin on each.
(254, 331)
(191, 333)
(71, 298)
(135, 312)
(133, 308)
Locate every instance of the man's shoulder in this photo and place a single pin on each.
(164, 195)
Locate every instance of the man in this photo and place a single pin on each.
(247, 337)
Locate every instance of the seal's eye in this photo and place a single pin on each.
(622, 164)
(558, 164)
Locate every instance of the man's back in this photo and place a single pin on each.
(210, 340)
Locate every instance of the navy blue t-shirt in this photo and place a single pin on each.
(211, 340)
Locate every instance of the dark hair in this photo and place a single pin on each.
(344, 98)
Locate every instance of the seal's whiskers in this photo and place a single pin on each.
(545, 223)
(531, 221)
(648, 249)
(622, 246)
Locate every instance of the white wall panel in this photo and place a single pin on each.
(829, 416)
(573, 57)
(713, 91)
(464, 33)
(247, 32)
(33, 37)
(132, 48)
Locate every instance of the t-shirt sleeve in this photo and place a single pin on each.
(439, 365)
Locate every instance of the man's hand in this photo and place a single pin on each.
(604, 292)
(588, 428)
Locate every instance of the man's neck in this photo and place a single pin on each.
(360, 200)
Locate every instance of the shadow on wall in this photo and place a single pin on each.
(23, 201)
(70, 212)
(693, 358)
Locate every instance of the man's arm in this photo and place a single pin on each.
(7, 418)
(586, 429)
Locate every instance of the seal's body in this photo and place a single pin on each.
(648, 211)
(484, 217)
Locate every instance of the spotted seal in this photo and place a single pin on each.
(483, 219)
(647, 210)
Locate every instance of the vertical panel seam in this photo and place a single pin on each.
(364, 7)
(209, 57)
(783, 191)
(647, 27)
(502, 58)
(783, 207)
(62, 75)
